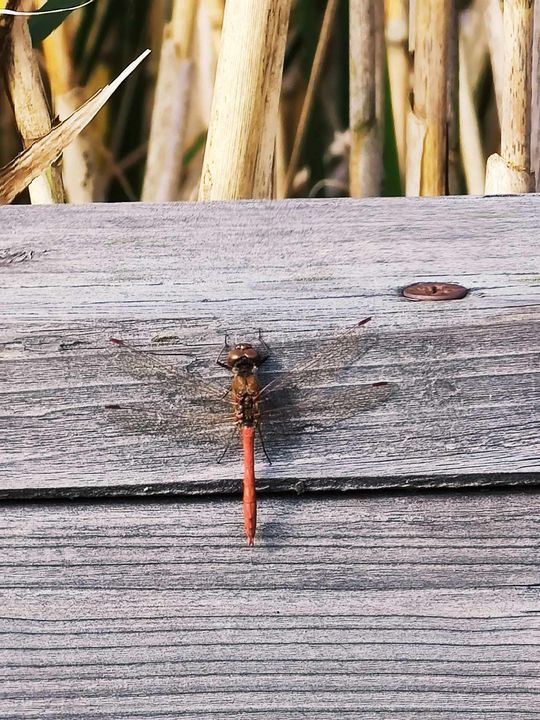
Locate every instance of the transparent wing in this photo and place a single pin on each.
(312, 395)
(190, 425)
(146, 366)
(184, 406)
(333, 356)
(320, 407)
(196, 412)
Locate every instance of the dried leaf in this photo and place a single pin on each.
(20, 172)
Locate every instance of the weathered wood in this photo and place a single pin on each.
(408, 607)
(466, 405)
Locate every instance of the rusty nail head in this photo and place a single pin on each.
(434, 291)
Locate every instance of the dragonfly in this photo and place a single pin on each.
(196, 410)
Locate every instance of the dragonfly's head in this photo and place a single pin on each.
(243, 358)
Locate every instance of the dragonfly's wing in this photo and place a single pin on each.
(173, 402)
(146, 366)
(326, 359)
(320, 407)
(190, 425)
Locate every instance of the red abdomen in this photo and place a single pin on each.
(249, 498)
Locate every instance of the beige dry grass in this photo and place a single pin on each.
(280, 93)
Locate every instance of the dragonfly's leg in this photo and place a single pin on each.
(224, 349)
(228, 445)
(264, 353)
(262, 444)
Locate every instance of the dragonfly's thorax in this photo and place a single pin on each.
(245, 395)
(244, 368)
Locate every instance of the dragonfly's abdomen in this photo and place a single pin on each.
(249, 497)
(245, 393)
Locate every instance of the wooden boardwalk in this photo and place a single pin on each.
(362, 606)
(415, 601)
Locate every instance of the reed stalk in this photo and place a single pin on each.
(204, 56)
(452, 103)
(238, 161)
(79, 159)
(494, 27)
(474, 58)
(399, 70)
(472, 153)
(30, 106)
(380, 70)
(510, 172)
(535, 114)
(167, 132)
(6, 23)
(427, 125)
(280, 189)
(318, 60)
(473, 37)
(365, 33)
(215, 10)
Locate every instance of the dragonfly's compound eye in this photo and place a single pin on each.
(250, 353)
(242, 352)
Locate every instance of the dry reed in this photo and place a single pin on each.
(239, 153)
(466, 70)
(30, 106)
(79, 159)
(427, 146)
(365, 33)
(399, 70)
(510, 172)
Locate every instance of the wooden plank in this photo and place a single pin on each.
(466, 372)
(404, 606)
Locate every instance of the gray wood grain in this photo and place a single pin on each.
(466, 406)
(402, 607)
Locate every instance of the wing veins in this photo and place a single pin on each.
(314, 361)
(146, 361)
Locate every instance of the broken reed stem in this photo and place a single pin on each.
(399, 69)
(238, 161)
(30, 107)
(18, 173)
(511, 171)
(318, 60)
(167, 131)
(430, 91)
(365, 165)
